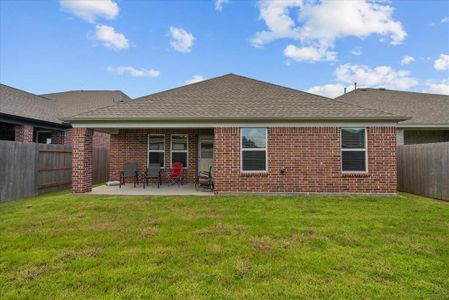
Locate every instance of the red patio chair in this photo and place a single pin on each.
(177, 173)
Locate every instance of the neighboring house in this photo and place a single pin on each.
(257, 136)
(429, 122)
(26, 117)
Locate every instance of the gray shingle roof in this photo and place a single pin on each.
(56, 106)
(71, 103)
(232, 97)
(424, 109)
(23, 104)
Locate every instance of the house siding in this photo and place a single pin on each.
(312, 160)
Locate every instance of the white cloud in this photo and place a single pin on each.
(440, 22)
(357, 50)
(219, 4)
(442, 63)
(309, 54)
(406, 60)
(439, 87)
(181, 40)
(194, 79)
(330, 20)
(321, 23)
(381, 76)
(330, 90)
(134, 72)
(110, 38)
(365, 76)
(89, 10)
(276, 16)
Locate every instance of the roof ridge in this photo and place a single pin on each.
(89, 91)
(26, 92)
(281, 86)
(364, 89)
(182, 86)
(368, 108)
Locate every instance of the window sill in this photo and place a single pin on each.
(254, 174)
(355, 174)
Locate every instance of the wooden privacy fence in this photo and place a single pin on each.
(423, 169)
(28, 169)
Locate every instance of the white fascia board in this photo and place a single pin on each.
(143, 124)
(426, 127)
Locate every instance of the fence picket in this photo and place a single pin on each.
(28, 169)
(423, 169)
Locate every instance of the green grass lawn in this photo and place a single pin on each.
(64, 246)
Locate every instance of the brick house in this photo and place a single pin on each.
(26, 117)
(257, 137)
(429, 113)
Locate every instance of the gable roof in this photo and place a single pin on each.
(232, 97)
(71, 103)
(424, 109)
(54, 107)
(16, 102)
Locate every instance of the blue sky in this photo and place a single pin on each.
(141, 47)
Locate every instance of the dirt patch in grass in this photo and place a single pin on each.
(216, 229)
(261, 244)
(29, 274)
(154, 222)
(149, 232)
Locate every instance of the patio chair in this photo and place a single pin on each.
(129, 171)
(204, 180)
(177, 173)
(153, 171)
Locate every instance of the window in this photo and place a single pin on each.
(254, 150)
(353, 150)
(43, 137)
(207, 150)
(178, 149)
(156, 149)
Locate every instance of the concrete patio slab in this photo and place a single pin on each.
(152, 190)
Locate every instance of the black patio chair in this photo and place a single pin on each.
(153, 171)
(129, 171)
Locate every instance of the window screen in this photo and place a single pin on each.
(179, 149)
(254, 149)
(353, 150)
(156, 149)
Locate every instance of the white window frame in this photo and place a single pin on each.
(43, 131)
(179, 151)
(154, 151)
(254, 149)
(354, 149)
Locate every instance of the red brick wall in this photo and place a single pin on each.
(100, 139)
(312, 159)
(68, 136)
(57, 137)
(24, 133)
(82, 160)
(130, 145)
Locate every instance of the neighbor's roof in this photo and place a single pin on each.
(232, 97)
(424, 109)
(57, 106)
(23, 104)
(71, 103)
